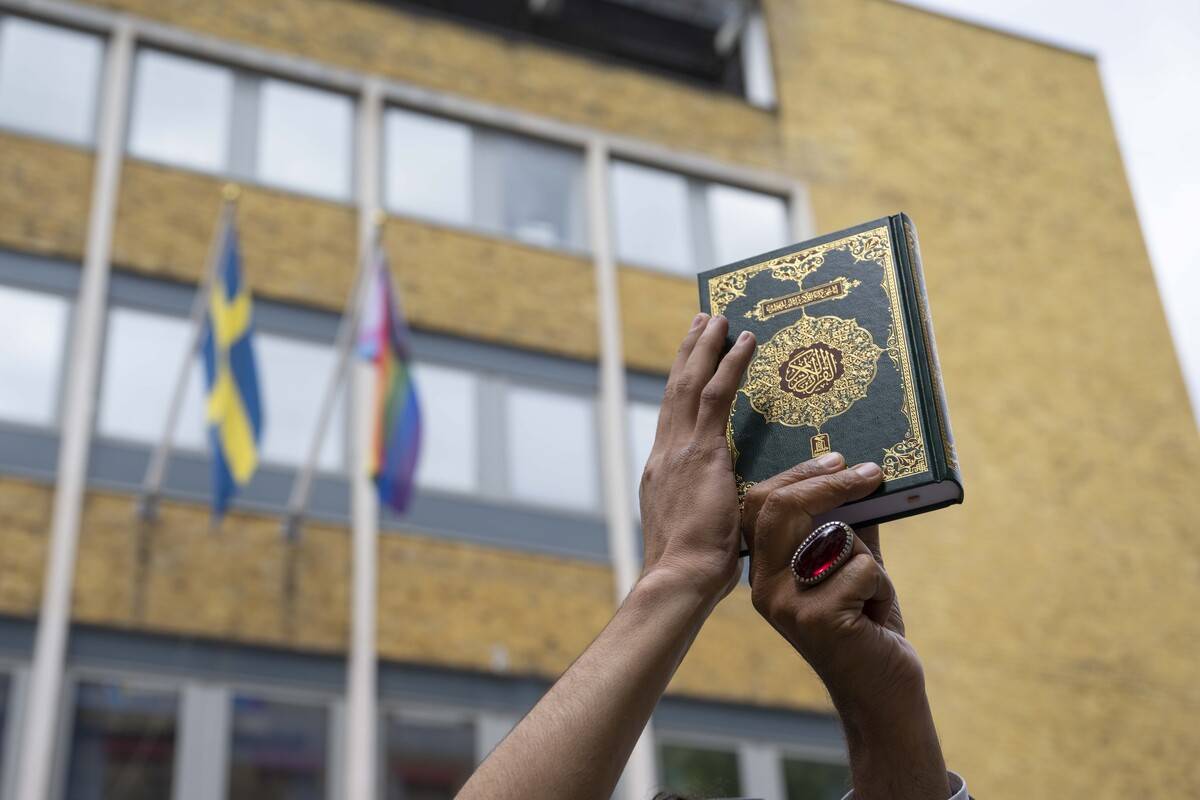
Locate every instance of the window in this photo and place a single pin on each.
(122, 743)
(744, 223)
(181, 111)
(427, 760)
(701, 42)
(758, 73)
(650, 217)
(216, 119)
(33, 331)
(294, 375)
(449, 428)
(428, 167)
(552, 448)
(143, 353)
(529, 190)
(666, 220)
(49, 78)
(304, 139)
(643, 422)
(454, 173)
(702, 771)
(809, 780)
(278, 750)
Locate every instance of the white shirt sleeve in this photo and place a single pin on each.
(958, 789)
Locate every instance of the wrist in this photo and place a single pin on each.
(893, 745)
(672, 586)
(898, 694)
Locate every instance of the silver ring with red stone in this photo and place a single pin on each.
(822, 552)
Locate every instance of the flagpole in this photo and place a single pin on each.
(641, 772)
(39, 722)
(362, 700)
(156, 469)
(344, 350)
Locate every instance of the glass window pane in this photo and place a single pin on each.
(643, 422)
(427, 761)
(428, 166)
(293, 376)
(552, 448)
(33, 332)
(756, 62)
(807, 780)
(449, 428)
(529, 190)
(304, 138)
(181, 111)
(700, 771)
(49, 78)
(122, 743)
(143, 352)
(278, 750)
(745, 223)
(650, 217)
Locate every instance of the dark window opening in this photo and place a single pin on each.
(695, 40)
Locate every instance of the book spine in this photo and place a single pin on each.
(923, 329)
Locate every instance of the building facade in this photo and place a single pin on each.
(550, 190)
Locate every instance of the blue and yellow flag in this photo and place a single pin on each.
(234, 410)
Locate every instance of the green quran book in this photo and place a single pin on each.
(845, 362)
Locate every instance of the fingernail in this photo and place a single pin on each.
(830, 460)
(745, 336)
(697, 320)
(867, 470)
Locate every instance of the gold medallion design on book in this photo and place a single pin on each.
(811, 371)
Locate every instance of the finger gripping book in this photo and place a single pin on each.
(846, 362)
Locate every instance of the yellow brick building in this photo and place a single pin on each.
(524, 178)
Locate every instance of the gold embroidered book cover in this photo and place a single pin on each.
(846, 361)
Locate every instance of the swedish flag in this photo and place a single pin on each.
(234, 410)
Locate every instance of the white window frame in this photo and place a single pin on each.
(760, 762)
(814, 754)
(473, 224)
(699, 216)
(72, 677)
(704, 741)
(334, 704)
(245, 112)
(335, 421)
(492, 450)
(194, 777)
(431, 714)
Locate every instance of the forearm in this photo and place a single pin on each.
(576, 740)
(894, 749)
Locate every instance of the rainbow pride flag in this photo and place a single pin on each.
(383, 340)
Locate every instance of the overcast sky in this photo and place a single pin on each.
(1150, 62)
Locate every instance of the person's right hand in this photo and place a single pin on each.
(689, 499)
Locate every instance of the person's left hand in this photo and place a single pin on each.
(848, 627)
(688, 496)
